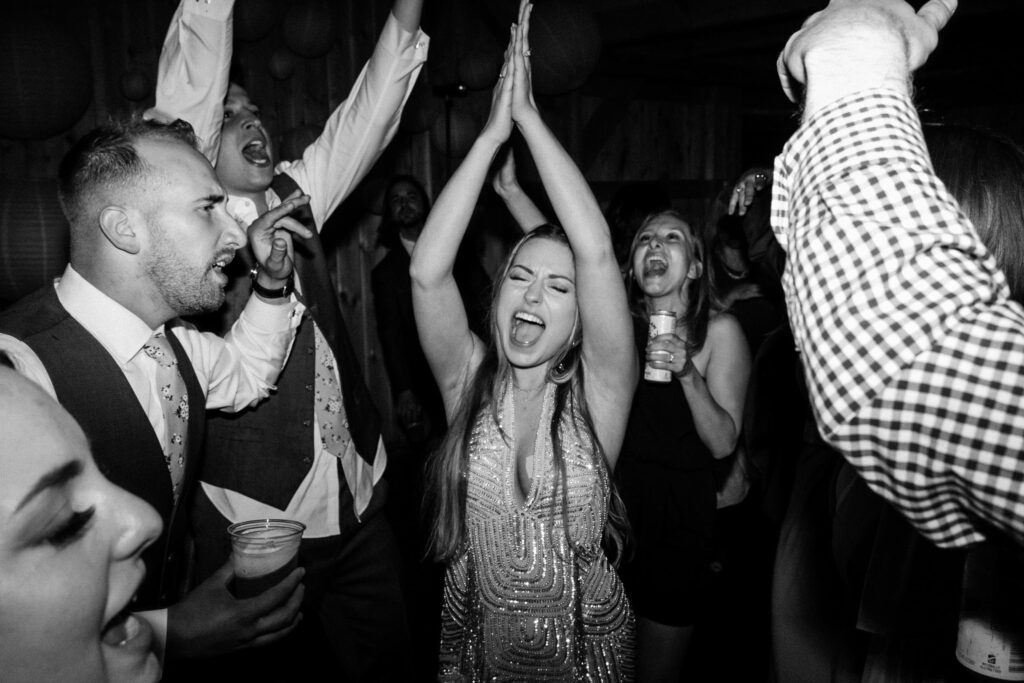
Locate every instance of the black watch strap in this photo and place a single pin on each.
(280, 293)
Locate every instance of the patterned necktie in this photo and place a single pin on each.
(174, 402)
(333, 422)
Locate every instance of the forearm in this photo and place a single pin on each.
(433, 258)
(364, 124)
(241, 369)
(526, 214)
(407, 13)
(604, 310)
(571, 197)
(194, 67)
(911, 349)
(715, 427)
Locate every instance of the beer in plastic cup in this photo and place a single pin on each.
(263, 552)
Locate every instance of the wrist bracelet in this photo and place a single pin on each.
(280, 293)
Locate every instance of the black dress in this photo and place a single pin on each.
(667, 482)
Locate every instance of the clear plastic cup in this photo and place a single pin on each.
(263, 552)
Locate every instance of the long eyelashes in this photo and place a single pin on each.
(72, 529)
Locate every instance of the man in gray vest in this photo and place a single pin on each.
(150, 238)
(312, 453)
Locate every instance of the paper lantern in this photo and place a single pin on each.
(309, 28)
(281, 63)
(34, 237)
(44, 76)
(464, 129)
(479, 69)
(134, 85)
(253, 19)
(566, 43)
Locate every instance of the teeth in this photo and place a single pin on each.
(256, 145)
(529, 318)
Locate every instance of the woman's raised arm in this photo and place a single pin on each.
(609, 355)
(452, 350)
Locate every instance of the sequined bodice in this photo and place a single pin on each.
(534, 597)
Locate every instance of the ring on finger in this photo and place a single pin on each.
(671, 358)
(526, 53)
(738, 189)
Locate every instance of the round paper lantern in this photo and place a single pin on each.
(34, 237)
(479, 69)
(565, 42)
(309, 28)
(281, 64)
(464, 129)
(134, 85)
(253, 19)
(44, 77)
(297, 140)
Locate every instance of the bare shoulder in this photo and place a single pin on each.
(723, 327)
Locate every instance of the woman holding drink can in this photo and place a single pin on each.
(686, 413)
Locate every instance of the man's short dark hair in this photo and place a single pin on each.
(107, 156)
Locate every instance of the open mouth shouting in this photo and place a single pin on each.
(125, 630)
(128, 643)
(221, 264)
(655, 265)
(256, 153)
(526, 328)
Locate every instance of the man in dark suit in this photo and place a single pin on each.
(150, 237)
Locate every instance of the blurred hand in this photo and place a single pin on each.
(854, 45)
(409, 410)
(750, 183)
(211, 621)
(505, 182)
(270, 236)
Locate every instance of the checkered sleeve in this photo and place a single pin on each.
(913, 353)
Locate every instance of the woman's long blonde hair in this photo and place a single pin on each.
(448, 467)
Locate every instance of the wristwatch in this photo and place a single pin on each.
(281, 293)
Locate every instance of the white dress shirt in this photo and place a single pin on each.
(192, 83)
(234, 372)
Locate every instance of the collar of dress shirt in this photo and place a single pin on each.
(243, 209)
(121, 332)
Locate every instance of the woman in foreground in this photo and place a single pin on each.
(520, 490)
(70, 552)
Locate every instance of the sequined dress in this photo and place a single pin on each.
(524, 602)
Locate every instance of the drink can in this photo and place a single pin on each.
(661, 322)
(990, 637)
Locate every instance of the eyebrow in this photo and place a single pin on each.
(211, 199)
(56, 477)
(551, 276)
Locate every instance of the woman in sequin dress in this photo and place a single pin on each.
(520, 490)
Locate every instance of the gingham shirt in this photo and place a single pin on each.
(913, 352)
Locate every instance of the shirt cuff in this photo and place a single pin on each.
(267, 317)
(217, 10)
